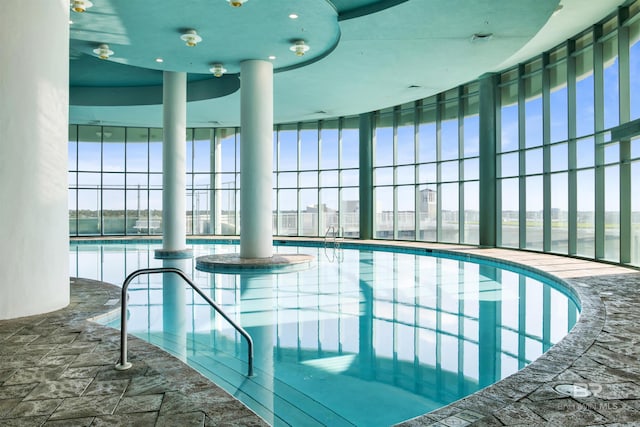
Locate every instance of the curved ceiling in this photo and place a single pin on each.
(364, 54)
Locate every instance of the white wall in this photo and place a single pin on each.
(34, 88)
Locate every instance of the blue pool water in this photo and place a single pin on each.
(363, 337)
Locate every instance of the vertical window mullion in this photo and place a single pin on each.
(522, 186)
(598, 76)
(546, 155)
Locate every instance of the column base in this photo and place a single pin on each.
(173, 254)
(233, 263)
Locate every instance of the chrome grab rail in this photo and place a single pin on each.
(123, 364)
(336, 235)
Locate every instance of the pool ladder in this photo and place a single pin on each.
(333, 235)
(332, 240)
(123, 364)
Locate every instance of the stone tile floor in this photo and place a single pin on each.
(57, 369)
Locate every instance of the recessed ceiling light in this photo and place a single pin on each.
(159, 60)
(293, 15)
(481, 37)
(272, 57)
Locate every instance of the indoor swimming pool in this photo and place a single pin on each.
(366, 336)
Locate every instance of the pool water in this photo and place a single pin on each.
(363, 337)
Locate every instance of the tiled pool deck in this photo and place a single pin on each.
(56, 369)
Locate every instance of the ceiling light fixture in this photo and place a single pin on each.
(80, 5)
(159, 60)
(293, 16)
(191, 38)
(103, 51)
(236, 3)
(218, 70)
(272, 57)
(299, 48)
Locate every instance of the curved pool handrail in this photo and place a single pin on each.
(123, 364)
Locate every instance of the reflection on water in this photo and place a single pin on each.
(363, 338)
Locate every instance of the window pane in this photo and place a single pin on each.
(308, 179)
(405, 175)
(383, 149)
(534, 213)
(533, 110)
(558, 155)
(383, 176)
(584, 93)
(137, 213)
(288, 212)
(612, 213)
(428, 173)
(328, 214)
(509, 164)
(427, 134)
(406, 212)
(350, 212)
(155, 150)
(202, 150)
(427, 207)
(559, 111)
(349, 178)
(350, 143)
(137, 149)
(449, 212)
(329, 147)
(227, 141)
(89, 148)
(471, 126)
(471, 212)
(383, 226)
(509, 118)
(89, 212)
(328, 179)
(309, 214)
(634, 68)
(449, 171)
(585, 152)
(449, 130)
(406, 144)
(510, 212)
(309, 147)
(610, 84)
(288, 151)
(471, 169)
(533, 161)
(559, 213)
(586, 214)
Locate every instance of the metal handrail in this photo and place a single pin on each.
(123, 364)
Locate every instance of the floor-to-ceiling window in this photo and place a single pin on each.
(567, 164)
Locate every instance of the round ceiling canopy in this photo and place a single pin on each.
(139, 33)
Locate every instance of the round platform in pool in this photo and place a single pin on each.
(232, 263)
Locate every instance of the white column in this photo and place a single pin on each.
(174, 169)
(256, 158)
(34, 213)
